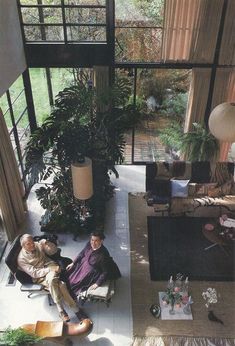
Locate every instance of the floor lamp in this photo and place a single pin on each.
(82, 184)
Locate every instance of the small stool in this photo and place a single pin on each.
(102, 293)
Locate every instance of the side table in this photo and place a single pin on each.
(211, 232)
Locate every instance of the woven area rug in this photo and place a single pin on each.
(178, 244)
(151, 331)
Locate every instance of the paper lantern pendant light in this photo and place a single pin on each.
(222, 122)
(82, 179)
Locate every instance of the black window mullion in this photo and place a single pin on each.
(64, 22)
(15, 132)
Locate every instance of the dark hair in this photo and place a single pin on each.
(98, 234)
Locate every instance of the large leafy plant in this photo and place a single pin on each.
(74, 129)
(199, 144)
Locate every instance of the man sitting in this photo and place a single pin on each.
(33, 261)
(93, 266)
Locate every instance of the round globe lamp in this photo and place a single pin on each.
(222, 122)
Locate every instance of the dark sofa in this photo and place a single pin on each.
(207, 188)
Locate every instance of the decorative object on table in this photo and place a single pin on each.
(213, 318)
(155, 310)
(176, 292)
(228, 227)
(187, 308)
(210, 295)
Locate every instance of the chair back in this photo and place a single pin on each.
(11, 262)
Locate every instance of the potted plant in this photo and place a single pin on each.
(18, 337)
(75, 128)
(199, 144)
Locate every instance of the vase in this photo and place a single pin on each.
(172, 309)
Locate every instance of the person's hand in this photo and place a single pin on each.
(93, 287)
(69, 266)
(56, 269)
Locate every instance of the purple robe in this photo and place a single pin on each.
(90, 267)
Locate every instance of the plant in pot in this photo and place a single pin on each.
(18, 337)
(199, 144)
(76, 129)
(196, 145)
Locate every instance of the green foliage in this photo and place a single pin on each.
(153, 9)
(74, 129)
(175, 105)
(18, 337)
(164, 85)
(199, 144)
(171, 136)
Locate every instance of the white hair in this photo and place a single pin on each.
(24, 238)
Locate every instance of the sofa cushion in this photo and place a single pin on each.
(222, 190)
(179, 188)
(199, 190)
(201, 172)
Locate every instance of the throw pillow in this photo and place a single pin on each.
(200, 190)
(179, 188)
(221, 190)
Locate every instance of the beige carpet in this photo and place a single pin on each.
(146, 328)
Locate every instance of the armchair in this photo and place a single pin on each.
(27, 284)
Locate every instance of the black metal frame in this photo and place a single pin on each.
(73, 54)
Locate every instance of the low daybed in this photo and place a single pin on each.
(191, 188)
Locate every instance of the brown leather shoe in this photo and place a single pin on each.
(64, 316)
(81, 315)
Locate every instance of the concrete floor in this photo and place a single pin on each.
(113, 324)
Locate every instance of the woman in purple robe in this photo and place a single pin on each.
(93, 266)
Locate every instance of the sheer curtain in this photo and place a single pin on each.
(224, 91)
(190, 30)
(12, 203)
(198, 94)
(227, 51)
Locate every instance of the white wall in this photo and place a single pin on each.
(12, 58)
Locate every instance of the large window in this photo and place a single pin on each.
(13, 104)
(161, 95)
(138, 30)
(64, 21)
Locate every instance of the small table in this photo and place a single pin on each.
(211, 231)
(179, 313)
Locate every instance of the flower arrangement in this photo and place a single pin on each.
(176, 291)
(210, 295)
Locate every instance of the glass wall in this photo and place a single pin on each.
(161, 95)
(138, 30)
(14, 107)
(64, 21)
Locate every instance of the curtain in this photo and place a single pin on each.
(12, 203)
(224, 91)
(198, 94)
(227, 51)
(190, 30)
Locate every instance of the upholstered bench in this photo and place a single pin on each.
(103, 293)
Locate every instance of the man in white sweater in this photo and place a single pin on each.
(33, 261)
